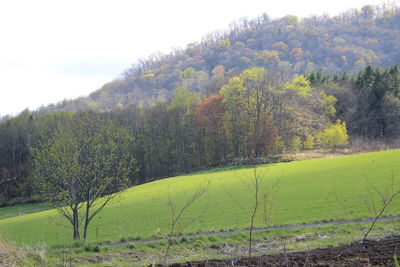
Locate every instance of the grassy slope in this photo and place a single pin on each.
(306, 192)
(17, 210)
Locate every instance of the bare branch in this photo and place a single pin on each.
(175, 218)
(3, 181)
(386, 198)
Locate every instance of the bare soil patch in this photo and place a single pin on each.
(371, 253)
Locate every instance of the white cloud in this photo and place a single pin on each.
(29, 88)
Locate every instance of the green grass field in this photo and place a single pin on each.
(22, 209)
(306, 191)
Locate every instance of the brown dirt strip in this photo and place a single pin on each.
(371, 253)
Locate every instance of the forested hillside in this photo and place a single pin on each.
(254, 116)
(345, 43)
(259, 90)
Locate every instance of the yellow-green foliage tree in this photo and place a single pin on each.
(296, 144)
(261, 127)
(309, 143)
(334, 136)
(300, 84)
(82, 167)
(235, 117)
(329, 104)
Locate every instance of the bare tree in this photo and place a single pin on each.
(386, 197)
(176, 213)
(262, 193)
(376, 208)
(257, 184)
(262, 197)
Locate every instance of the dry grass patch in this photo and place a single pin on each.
(10, 255)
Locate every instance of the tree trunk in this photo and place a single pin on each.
(169, 242)
(75, 224)
(86, 222)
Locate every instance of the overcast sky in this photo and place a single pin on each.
(54, 50)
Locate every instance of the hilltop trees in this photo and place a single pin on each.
(347, 42)
(82, 167)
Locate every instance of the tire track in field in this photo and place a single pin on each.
(273, 227)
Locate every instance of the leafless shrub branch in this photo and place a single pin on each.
(177, 213)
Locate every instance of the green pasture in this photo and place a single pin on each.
(22, 209)
(304, 191)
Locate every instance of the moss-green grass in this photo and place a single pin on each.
(22, 209)
(306, 191)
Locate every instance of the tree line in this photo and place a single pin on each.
(256, 115)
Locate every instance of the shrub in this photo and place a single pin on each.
(131, 246)
(92, 248)
(183, 240)
(334, 136)
(151, 245)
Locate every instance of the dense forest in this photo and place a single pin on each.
(256, 115)
(256, 91)
(345, 43)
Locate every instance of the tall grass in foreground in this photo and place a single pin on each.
(10, 255)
